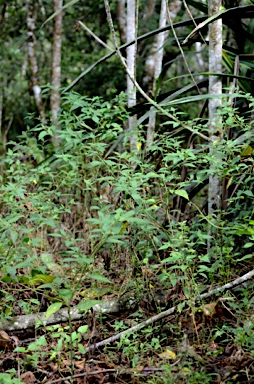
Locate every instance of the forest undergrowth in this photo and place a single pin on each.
(119, 237)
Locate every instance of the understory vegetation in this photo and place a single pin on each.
(93, 224)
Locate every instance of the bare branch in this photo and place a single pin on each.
(168, 312)
(94, 36)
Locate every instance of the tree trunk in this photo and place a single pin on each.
(155, 59)
(158, 51)
(31, 15)
(121, 19)
(56, 65)
(131, 35)
(215, 88)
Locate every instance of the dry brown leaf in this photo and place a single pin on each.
(209, 310)
(28, 377)
(4, 339)
(4, 336)
(79, 364)
(66, 362)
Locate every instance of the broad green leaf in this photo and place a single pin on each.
(98, 277)
(248, 245)
(42, 279)
(83, 329)
(248, 193)
(182, 193)
(13, 235)
(65, 293)
(81, 348)
(53, 308)
(88, 304)
(42, 135)
(246, 257)
(166, 246)
(114, 240)
(48, 260)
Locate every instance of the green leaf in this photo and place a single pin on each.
(81, 348)
(246, 257)
(65, 293)
(42, 279)
(98, 277)
(13, 235)
(53, 308)
(182, 193)
(88, 304)
(113, 239)
(248, 245)
(248, 193)
(42, 135)
(166, 246)
(83, 329)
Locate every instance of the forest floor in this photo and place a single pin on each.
(202, 342)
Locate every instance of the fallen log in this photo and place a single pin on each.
(107, 306)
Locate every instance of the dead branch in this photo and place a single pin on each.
(107, 306)
(61, 316)
(168, 312)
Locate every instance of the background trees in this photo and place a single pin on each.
(117, 122)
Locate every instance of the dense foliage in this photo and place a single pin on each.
(89, 221)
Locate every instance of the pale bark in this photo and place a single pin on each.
(150, 64)
(155, 59)
(63, 315)
(56, 65)
(31, 15)
(215, 88)
(155, 64)
(110, 306)
(131, 34)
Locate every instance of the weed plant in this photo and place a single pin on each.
(93, 218)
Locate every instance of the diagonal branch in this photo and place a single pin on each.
(168, 312)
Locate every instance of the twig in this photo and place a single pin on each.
(82, 375)
(168, 312)
(94, 36)
(146, 371)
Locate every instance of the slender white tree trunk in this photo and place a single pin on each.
(155, 59)
(131, 35)
(215, 88)
(31, 15)
(157, 62)
(56, 65)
